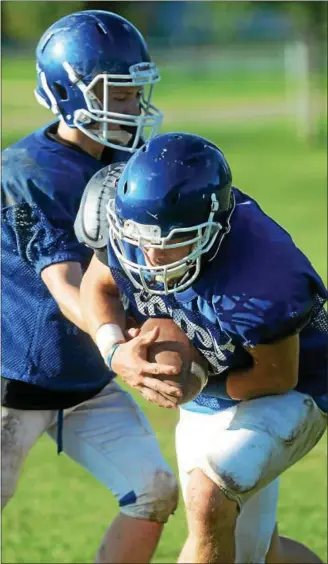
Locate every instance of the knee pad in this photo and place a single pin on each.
(158, 500)
(240, 466)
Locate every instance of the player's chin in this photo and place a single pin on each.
(174, 348)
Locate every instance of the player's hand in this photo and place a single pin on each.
(130, 362)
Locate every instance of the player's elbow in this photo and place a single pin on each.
(282, 382)
(285, 375)
(251, 384)
(288, 381)
(93, 291)
(97, 280)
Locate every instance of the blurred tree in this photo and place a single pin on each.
(139, 13)
(311, 26)
(26, 21)
(309, 17)
(303, 27)
(225, 17)
(3, 24)
(117, 7)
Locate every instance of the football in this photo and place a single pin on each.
(173, 347)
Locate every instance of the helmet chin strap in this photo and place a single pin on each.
(179, 275)
(172, 277)
(121, 137)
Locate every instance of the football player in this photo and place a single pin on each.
(95, 74)
(184, 244)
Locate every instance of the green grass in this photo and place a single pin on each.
(60, 512)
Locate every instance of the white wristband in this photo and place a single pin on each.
(107, 335)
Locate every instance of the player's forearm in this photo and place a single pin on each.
(69, 305)
(249, 384)
(100, 307)
(63, 281)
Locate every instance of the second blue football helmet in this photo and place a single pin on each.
(173, 192)
(89, 49)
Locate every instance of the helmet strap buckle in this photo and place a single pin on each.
(214, 204)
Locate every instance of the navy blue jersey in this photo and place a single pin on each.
(260, 288)
(42, 184)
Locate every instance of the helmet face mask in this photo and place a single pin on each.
(76, 72)
(97, 112)
(166, 278)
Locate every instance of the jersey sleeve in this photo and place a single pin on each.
(252, 321)
(44, 238)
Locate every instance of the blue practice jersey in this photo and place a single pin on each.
(260, 288)
(42, 184)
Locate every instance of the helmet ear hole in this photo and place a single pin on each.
(175, 198)
(61, 90)
(125, 188)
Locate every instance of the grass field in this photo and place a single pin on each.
(60, 512)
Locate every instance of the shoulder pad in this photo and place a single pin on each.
(91, 225)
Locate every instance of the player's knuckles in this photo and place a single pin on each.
(158, 386)
(167, 399)
(138, 368)
(153, 397)
(163, 389)
(151, 383)
(150, 395)
(138, 380)
(131, 378)
(146, 393)
(160, 399)
(147, 368)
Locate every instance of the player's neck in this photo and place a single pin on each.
(78, 138)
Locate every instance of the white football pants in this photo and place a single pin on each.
(244, 449)
(110, 437)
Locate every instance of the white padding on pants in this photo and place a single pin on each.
(246, 447)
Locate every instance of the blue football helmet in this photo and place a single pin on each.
(89, 49)
(174, 192)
